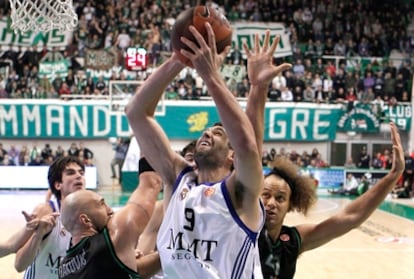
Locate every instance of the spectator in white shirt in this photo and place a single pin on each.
(123, 40)
(279, 81)
(286, 94)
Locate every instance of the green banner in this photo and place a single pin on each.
(60, 120)
(282, 121)
(400, 114)
(181, 120)
(361, 119)
(52, 69)
(313, 123)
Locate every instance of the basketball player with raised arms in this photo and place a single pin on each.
(261, 71)
(212, 218)
(285, 189)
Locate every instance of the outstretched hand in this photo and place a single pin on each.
(260, 60)
(32, 222)
(28, 217)
(203, 54)
(398, 164)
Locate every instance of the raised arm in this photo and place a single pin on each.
(129, 222)
(17, 240)
(27, 253)
(261, 71)
(360, 209)
(149, 134)
(148, 238)
(248, 173)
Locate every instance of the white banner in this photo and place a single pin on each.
(236, 72)
(245, 31)
(54, 38)
(35, 177)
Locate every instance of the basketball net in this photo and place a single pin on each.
(43, 15)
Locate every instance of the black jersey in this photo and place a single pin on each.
(278, 259)
(94, 257)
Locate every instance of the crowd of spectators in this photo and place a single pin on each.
(42, 156)
(307, 159)
(316, 28)
(380, 160)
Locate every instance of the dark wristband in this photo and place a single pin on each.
(144, 166)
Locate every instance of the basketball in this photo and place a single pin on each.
(198, 16)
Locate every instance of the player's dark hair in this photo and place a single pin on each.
(190, 147)
(303, 187)
(56, 170)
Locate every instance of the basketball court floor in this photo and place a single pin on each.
(381, 248)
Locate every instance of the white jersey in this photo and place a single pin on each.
(202, 236)
(158, 275)
(51, 251)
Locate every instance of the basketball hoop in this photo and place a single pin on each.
(43, 15)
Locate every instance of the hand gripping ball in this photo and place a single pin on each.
(198, 16)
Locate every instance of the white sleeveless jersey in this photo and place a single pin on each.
(202, 236)
(158, 275)
(51, 251)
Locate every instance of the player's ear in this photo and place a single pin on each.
(84, 219)
(231, 158)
